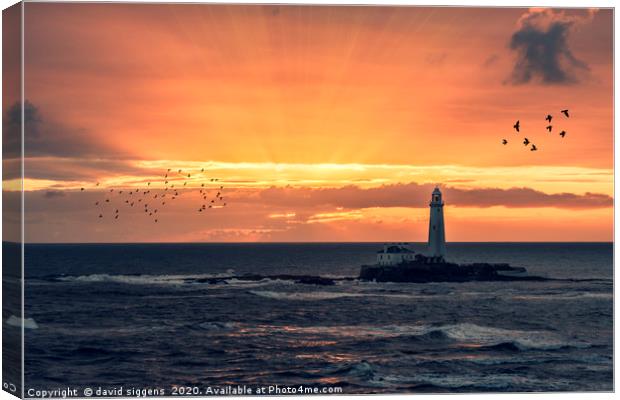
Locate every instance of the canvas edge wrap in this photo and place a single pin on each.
(12, 204)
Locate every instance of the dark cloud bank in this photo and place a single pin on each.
(45, 137)
(543, 52)
(417, 196)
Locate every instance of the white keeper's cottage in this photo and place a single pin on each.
(395, 253)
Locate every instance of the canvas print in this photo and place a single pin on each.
(206, 199)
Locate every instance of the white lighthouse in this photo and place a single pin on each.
(436, 230)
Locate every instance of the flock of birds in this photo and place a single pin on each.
(152, 200)
(548, 118)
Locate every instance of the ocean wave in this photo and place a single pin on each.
(213, 281)
(373, 376)
(139, 279)
(303, 296)
(330, 295)
(217, 326)
(494, 337)
(564, 296)
(362, 369)
(466, 334)
(386, 290)
(235, 282)
(486, 381)
(29, 323)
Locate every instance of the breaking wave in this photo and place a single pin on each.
(330, 295)
(303, 296)
(493, 337)
(565, 297)
(467, 334)
(29, 323)
(145, 279)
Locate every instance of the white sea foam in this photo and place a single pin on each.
(328, 295)
(29, 323)
(176, 280)
(216, 325)
(466, 333)
(490, 336)
(304, 296)
(564, 296)
(145, 279)
(234, 282)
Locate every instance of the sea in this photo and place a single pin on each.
(147, 316)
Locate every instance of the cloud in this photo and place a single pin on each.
(44, 136)
(52, 194)
(525, 197)
(319, 215)
(542, 48)
(417, 196)
(73, 169)
(490, 60)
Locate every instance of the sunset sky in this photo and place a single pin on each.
(322, 123)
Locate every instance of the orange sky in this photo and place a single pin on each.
(324, 123)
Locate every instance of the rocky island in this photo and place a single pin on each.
(397, 262)
(426, 269)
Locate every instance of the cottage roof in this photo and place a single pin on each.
(396, 249)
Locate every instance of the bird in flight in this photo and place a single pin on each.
(526, 142)
(504, 141)
(548, 118)
(516, 126)
(549, 127)
(565, 112)
(563, 133)
(534, 148)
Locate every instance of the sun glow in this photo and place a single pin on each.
(311, 138)
(261, 175)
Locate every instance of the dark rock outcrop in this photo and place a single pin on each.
(425, 269)
(316, 280)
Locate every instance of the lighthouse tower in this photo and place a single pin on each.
(436, 230)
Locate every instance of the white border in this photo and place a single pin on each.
(468, 3)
